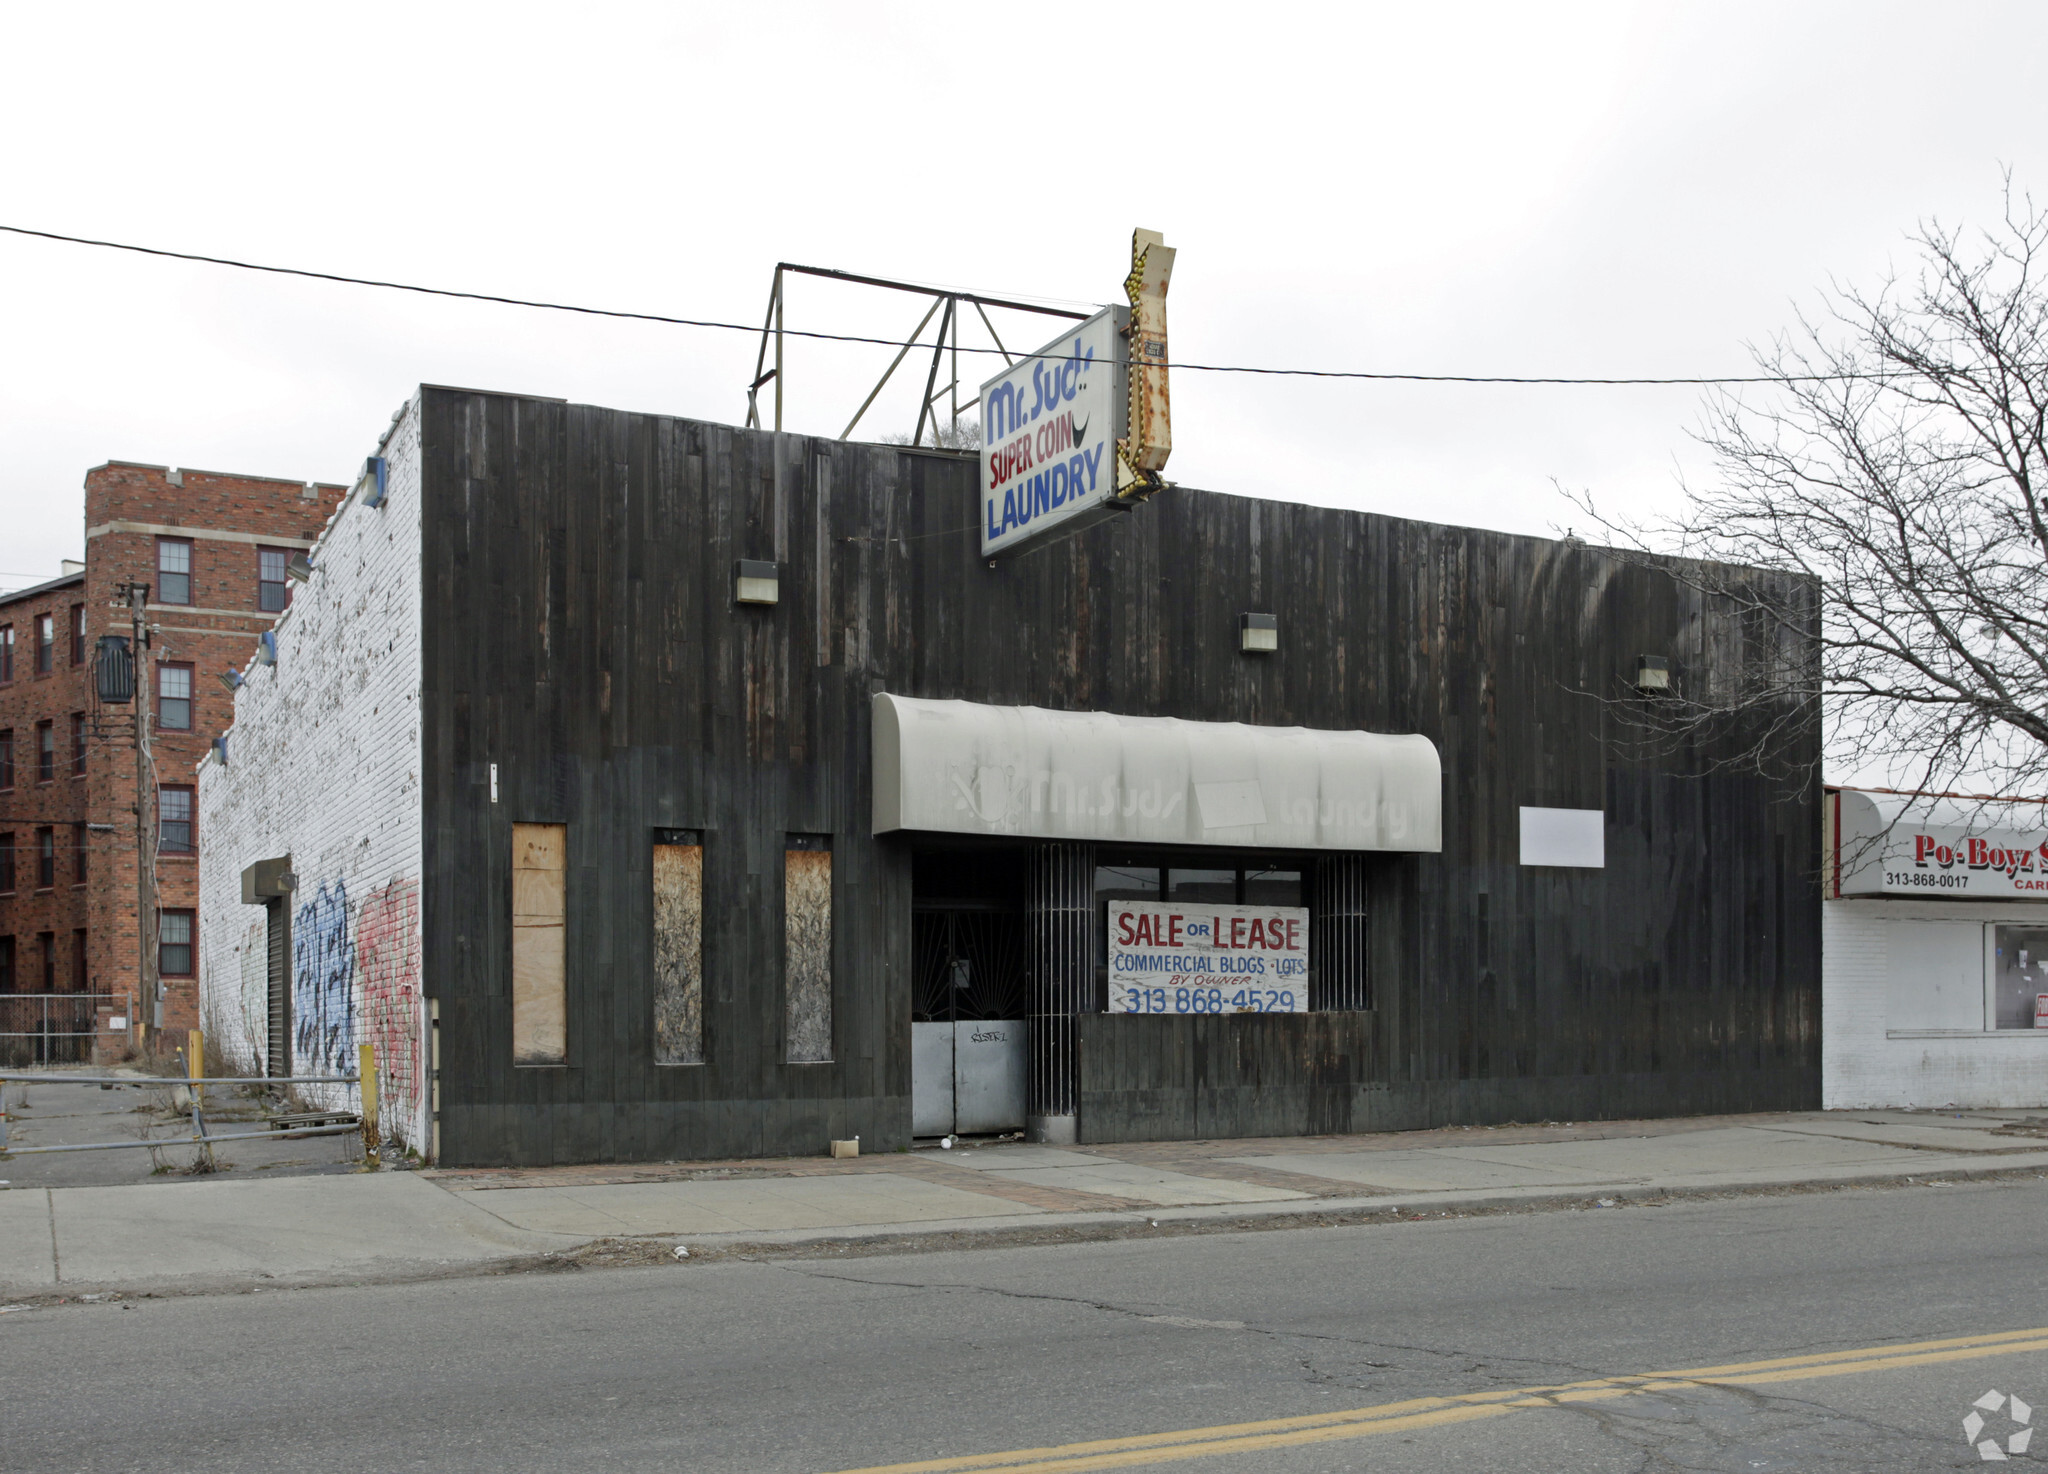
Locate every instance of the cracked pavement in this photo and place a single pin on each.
(801, 1365)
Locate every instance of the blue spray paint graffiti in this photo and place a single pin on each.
(323, 969)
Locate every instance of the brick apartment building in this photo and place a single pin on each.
(213, 549)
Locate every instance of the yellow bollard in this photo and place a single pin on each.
(195, 1063)
(367, 1068)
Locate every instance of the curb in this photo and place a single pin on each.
(1020, 1231)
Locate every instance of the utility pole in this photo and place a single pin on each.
(145, 828)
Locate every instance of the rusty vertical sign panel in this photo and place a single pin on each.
(539, 1013)
(678, 948)
(1148, 440)
(807, 948)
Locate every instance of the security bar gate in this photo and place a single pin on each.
(970, 1042)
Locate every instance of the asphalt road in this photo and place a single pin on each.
(1272, 1341)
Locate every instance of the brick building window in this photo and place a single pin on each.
(46, 642)
(173, 570)
(177, 830)
(79, 981)
(81, 853)
(174, 944)
(46, 943)
(7, 758)
(6, 652)
(78, 634)
(7, 863)
(78, 744)
(174, 698)
(6, 964)
(273, 591)
(46, 858)
(46, 752)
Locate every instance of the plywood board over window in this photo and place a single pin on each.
(539, 1014)
(807, 948)
(678, 947)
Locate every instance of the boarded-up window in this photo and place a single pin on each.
(807, 947)
(678, 947)
(539, 1012)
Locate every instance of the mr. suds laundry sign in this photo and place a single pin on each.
(1050, 424)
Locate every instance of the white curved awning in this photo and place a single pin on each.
(1933, 847)
(958, 767)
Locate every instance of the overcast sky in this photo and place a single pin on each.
(1534, 189)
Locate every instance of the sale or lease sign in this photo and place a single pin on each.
(1193, 957)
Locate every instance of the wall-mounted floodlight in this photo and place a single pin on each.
(376, 471)
(1653, 673)
(266, 648)
(220, 751)
(1258, 634)
(300, 569)
(756, 583)
(232, 679)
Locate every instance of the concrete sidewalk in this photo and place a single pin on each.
(218, 1234)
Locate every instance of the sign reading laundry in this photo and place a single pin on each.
(1050, 424)
(1169, 957)
(960, 767)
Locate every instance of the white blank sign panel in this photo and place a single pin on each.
(1574, 837)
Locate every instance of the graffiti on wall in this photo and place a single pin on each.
(387, 955)
(323, 968)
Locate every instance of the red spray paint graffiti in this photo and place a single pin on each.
(388, 962)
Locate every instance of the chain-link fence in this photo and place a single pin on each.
(51, 1028)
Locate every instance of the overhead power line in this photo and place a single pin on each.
(1697, 380)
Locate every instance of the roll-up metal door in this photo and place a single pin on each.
(277, 964)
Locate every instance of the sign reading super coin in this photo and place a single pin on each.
(1050, 424)
(1199, 958)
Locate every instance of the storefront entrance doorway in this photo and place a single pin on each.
(969, 1040)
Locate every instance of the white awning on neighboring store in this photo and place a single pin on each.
(958, 767)
(1937, 846)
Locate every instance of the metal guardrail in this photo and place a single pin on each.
(207, 1141)
(366, 1124)
(38, 1077)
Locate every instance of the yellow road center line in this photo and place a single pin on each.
(1436, 1412)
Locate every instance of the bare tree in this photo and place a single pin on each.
(945, 435)
(1895, 465)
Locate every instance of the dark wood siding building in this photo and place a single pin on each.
(585, 664)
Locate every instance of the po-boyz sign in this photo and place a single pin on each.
(1050, 423)
(1885, 845)
(1943, 859)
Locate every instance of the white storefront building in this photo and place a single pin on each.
(1934, 985)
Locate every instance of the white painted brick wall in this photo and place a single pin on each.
(324, 765)
(1867, 1061)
